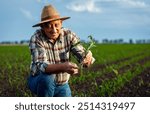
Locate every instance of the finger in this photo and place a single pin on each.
(87, 60)
(89, 54)
(75, 71)
(93, 60)
(74, 66)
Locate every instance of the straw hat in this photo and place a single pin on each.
(49, 13)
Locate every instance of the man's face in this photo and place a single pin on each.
(52, 29)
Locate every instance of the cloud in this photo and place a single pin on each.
(27, 13)
(134, 4)
(92, 6)
(39, 1)
(128, 3)
(42, 1)
(84, 6)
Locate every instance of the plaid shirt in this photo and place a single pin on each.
(44, 52)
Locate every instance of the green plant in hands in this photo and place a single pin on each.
(91, 45)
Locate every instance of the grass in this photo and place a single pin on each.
(115, 66)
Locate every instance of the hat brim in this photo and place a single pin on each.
(48, 20)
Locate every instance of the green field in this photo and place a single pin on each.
(119, 70)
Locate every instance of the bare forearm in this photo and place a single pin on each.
(68, 67)
(55, 68)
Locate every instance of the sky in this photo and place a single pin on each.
(111, 19)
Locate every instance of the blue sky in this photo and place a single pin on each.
(111, 19)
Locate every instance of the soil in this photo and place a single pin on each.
(139, 86)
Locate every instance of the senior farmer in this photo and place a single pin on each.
(50, 48)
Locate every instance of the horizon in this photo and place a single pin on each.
(103, 41)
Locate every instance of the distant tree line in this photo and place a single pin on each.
(15, 42)
(104, 41)
(121, 41)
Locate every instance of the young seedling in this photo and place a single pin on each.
(91, 45)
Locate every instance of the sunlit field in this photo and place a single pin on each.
(119, 70)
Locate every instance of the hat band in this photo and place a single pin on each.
(50, 17)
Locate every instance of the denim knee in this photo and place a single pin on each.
(63, 91)
(42, 85)
(46, 79)
(46, 86)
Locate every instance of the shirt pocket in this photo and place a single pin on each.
(64, 55)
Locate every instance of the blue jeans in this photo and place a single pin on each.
(44, 85)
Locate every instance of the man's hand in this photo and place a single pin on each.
(88, 60)
(70, 68)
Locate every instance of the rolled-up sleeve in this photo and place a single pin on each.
(76, 48)
(38, 56)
